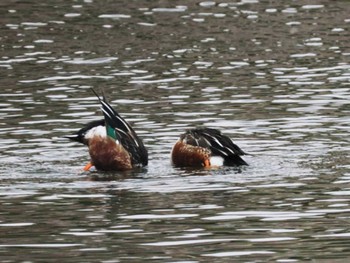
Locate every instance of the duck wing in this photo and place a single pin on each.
(119, 130)
(217, 143)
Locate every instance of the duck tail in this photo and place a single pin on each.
(114, 122)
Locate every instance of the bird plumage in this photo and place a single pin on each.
(198, 147)
(122, 132)
(113, 144)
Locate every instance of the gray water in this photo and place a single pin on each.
(272, 75)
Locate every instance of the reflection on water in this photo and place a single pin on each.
(273, 76)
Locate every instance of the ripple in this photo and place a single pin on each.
(312, 6)
(207, 3)
(55, 78)
(17, 193)
(290, 10)
(238, 253)
(43, 245)
(15, 224)
(16, 60)
(119, 231)
(188, 242)
(34, 24)
(171, 10)
(114, 16)
(303, 55)
(265, 215)
(271, 239)
(60, 196)
(81, 234)
(152, 216)
(81, 61)
(333, 235)
(339, 192)
(72, 15)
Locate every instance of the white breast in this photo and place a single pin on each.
(96, 131)
(216, 161)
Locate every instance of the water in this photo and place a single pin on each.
(273, 75)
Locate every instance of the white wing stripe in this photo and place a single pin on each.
(222, 152)
(215, 139)
(196, 141)
(107, 113)
(107, 106)
(111, 111)
(230, 150)
(127, 134)
(208, 142)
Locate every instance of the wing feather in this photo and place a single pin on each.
(217, 143)
(124, 132)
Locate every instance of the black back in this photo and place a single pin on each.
(217, 143)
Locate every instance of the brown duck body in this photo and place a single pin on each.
(205, 147)
(107, 155)
(187, 155)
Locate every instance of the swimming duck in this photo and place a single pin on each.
(205, 147)
(113, 144)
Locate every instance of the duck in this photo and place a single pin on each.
(113, 144)
(206, 147)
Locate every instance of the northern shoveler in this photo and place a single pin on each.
(113, 144)
(205, 147)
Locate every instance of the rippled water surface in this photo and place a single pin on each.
(272, 75)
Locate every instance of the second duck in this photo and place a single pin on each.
(205, 147)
